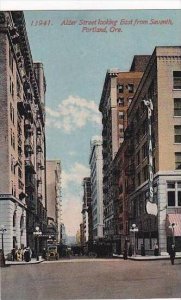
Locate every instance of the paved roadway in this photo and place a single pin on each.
(92, 279)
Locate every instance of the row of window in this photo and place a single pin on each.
(12, 139)
(11, 87)
(11, 112)
(144, 177)
(122, 87)
(121, 101)
(12, 164)
(10, 60)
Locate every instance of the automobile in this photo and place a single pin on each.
(52, 252)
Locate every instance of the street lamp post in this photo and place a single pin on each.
(134, 229)
(37, 233)
(2, 230)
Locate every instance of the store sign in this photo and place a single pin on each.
(151, 207)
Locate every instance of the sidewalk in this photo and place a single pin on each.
(31, 262)
(149, 257)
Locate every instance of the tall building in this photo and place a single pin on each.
(22, 137)
(63, 238)
(81, 234)
(96, 164)
(86, 211)
(78, 238)
(154, 165)
(54, 205)
(118, 90)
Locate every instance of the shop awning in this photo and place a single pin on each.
(176, 220)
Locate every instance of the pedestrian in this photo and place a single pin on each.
(44, 254)
(13, 254)
(130, 252)
(30, 252)
(27, 255)
(172, 254)
(156, 249)
(142, 250)
(18, 255)
(125, 253)
(22, 254)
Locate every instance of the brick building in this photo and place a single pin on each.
(22, 138)
(161, 83)
(118, 90)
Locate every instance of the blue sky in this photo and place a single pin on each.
(75, 64)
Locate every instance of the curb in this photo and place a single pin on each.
(152, 259)
(146, 258)
(23, 263)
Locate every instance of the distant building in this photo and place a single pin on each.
(96, 164)
(81, 234)
(63, 238)
(118, 91)
(86, 210)
(54, 205)
(22, 136)
(78, 237)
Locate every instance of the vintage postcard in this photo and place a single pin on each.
(90, 154)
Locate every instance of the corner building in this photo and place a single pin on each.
(161, 83)
(22, 137)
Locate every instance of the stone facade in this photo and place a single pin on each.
(86, 212)
(22, 138)
(96, 163)
(54, 205)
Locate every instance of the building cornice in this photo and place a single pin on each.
(13, 199)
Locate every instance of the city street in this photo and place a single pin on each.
(92, 279)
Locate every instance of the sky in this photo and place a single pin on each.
(76, 58)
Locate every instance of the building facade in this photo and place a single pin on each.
(155, 161)
(54, 203)
(22, 138)
(63, 238)
(118, 90)
(22, 90)
(86, 211)
(96, 165)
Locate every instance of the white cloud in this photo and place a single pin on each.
(75, 175)
(73, 113)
